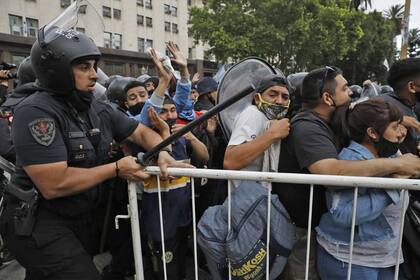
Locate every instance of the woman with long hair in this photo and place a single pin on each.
(370, 128)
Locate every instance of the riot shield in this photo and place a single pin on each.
(241, 76)
(102, 77)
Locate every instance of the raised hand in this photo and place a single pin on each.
(178, 58)
(164, 75)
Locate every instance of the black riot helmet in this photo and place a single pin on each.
(356, 92)
(25, 72)
(52, 59)
(386, 89)
(295, 80)
(111, 79)
(117, 90)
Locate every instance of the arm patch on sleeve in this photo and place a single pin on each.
(43, 130)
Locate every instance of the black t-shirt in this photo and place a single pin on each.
(311, 139)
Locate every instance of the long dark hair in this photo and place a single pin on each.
(350, 122)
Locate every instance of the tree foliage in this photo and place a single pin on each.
(291, 35)
(395, 13)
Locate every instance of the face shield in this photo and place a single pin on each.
(80, 14)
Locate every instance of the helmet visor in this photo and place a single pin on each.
(80, 13)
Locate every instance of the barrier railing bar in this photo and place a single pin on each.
(353, 225)
(308, 241)
(311, 179)
(194, 221)
(267, 268)
(295, 178)
(162, 233)
(400, 236)
(229, 221)
(135, 230)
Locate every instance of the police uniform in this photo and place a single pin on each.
(45, 130)
(59, 123)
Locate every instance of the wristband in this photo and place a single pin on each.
(116, 169)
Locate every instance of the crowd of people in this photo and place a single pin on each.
(74, 149)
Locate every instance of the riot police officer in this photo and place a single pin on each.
(62, 137)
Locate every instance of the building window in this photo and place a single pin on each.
(140, 3)
(113, 68)
(140, 44)
(18, 58)
(148, 4)
(149, 22)
(80, 29)
(106, 11)
(31, 27)
(174, 11)
(117, 13)
(174, 28)
(117, 41)
(140, 20)
(107, 39)
(148, 44)
(82, 9)
(190, 53)
(167, 26)
(16, 25)
(167, 9)
(65, 3)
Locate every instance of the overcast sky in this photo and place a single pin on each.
(381, 5)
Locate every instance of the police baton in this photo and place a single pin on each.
(7, 165)
(146, 158)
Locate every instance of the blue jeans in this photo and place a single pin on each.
(329, 268)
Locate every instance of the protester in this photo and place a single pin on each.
(404, 78)
(259, 128)
(207, 90)
(372, 126)
(311, 147)
(129, 94)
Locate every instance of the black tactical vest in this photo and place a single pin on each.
(82, 151)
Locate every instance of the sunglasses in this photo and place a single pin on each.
(328, 70)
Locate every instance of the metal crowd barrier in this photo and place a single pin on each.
(309, 179)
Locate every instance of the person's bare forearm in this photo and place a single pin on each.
(240, 156)
(184, 72)
(145, 136)
(369, 168)
(199, 150)
(59, 180)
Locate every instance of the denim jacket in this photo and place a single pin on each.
(371, 224)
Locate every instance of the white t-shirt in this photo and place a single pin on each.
(247, 126)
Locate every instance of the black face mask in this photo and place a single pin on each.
(418, 96)
(81, 100)
(136, 109)
(171, 122)
(386, 148)
(3, 96)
